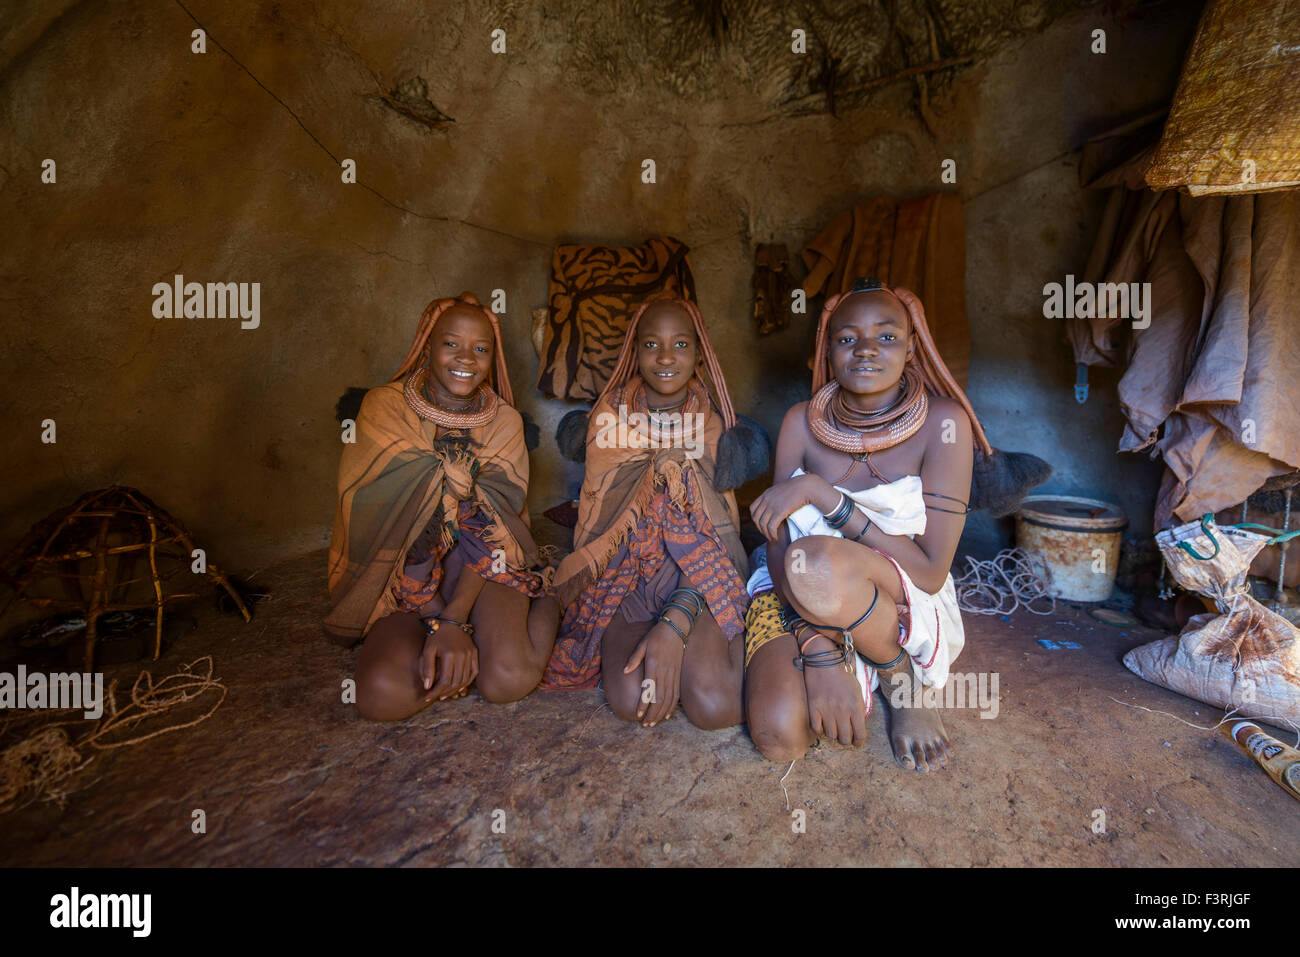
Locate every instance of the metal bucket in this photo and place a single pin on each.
(1078, 538)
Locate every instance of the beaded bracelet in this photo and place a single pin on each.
(965, 508)
(803, 647)
(678, 599)
(863, 531)
(689, 593)
(791, 621)
(822, 659)
(669, 622)
(841, 513)
(433, 624)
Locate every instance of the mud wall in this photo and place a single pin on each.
(225, 166)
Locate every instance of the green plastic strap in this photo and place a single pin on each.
(1207, 520)
(1279, 536)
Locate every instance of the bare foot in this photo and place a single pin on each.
(916, 734)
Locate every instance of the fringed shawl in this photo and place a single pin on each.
(621, 482)
(664, 507)
(400, 475)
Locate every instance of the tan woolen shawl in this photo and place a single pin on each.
(620, 485)
(399, 475)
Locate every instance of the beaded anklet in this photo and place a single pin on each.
(793, 621)
(880, 667)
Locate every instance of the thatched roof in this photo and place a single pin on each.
(1234, 126)
(700, 49)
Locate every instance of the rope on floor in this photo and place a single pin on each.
(1011, 579)
(39, 765)
(782, 783)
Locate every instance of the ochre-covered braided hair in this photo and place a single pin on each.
(626, 367)
(925, 356)
(416, 355)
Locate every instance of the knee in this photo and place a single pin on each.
(623, 696)
(379, 697)
(711, 708)
(547, 608)
(387, 677)
(502, 682)
(806, 552)
(780, 730)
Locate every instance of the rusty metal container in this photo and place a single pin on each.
(1079, 540)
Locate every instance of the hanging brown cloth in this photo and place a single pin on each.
(919, 244)
(594, 292)
(1210, 384)
(772, 286)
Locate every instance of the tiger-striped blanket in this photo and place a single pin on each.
(594, 292)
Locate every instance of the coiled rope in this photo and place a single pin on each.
(39, 765)
(1011, 579)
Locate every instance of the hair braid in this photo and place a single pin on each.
(625, 367)
(429, 318)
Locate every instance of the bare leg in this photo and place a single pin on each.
(713, 672)
(917, 735)
(388, 669)
(832, 583)
(831, 586)
(776, 702)
(623, 692)
(514, 637)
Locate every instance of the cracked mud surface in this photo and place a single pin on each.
(288, 775)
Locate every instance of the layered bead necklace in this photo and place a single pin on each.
(481, 410)
(867, 432)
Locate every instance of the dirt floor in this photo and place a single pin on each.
(286, 774)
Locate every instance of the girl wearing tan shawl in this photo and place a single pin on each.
(431, 559)
(654, 592)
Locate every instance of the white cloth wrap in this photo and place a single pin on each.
(936, 635)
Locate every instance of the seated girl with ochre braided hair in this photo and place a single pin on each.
(874, 476)
(654, 592)
(431, 559)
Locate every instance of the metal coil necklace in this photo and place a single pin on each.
(484, 404)
(668, 414)
(867, 432)
(843, 412)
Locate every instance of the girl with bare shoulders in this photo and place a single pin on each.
(873, 478)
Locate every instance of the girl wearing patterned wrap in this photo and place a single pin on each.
(862, 528)
(431, 558)
(654, 593)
